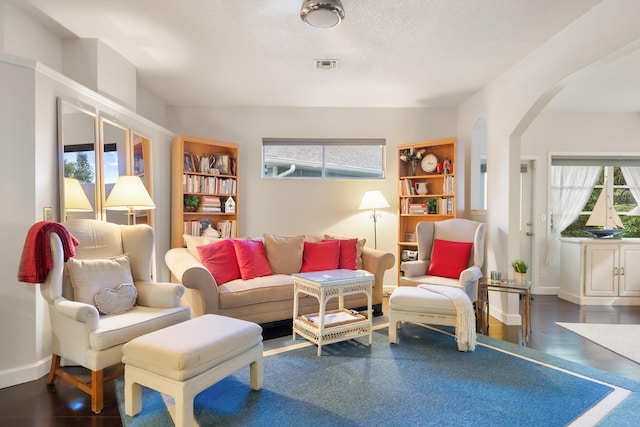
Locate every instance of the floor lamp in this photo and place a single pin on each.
(374, 200)
(129, 194)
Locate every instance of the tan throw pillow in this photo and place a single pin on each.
(88, 276)
(193, 242)
(284, 253)
(116, 301)
(361, 243)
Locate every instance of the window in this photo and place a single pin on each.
(326, 158)
(79, 162)
(616, 189)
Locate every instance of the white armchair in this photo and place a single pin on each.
(456, 230)
(83, 336)
(441, 289)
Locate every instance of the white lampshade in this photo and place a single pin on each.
(75, 199)
(634, 212)
(373, 200)
(129, 194)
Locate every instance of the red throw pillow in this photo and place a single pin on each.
(348, 253)
(220, 259)
(252, 258)
(448, 259)
(318, 256)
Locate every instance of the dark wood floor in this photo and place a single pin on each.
(36, 404)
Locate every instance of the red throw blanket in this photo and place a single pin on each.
(36, 258)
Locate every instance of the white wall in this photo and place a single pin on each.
(25, 37)
(581, 134)
(30, 175)
(314, 206)
(511, 103)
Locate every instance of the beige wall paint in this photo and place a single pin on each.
(308, 205)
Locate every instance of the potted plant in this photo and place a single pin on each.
(520, 269)
(432, 206)
(191, 202)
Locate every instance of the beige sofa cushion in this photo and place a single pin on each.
(284, 253)
(240, 293)
(193, 242)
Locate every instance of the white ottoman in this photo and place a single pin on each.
(412, 304)
(184, 359)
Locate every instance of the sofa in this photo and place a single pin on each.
(265, 294)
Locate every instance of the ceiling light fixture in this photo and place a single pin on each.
(322, 13)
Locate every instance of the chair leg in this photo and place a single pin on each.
(97, 391)
(55, 365)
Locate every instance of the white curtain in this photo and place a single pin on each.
(569, 191)
(632, 177)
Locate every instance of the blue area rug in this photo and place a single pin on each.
(422, 381)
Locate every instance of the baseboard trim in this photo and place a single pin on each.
(25, 373)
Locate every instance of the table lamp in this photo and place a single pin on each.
(75, 199)
(129, 194)
(374, 200)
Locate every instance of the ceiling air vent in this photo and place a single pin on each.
(326, 64)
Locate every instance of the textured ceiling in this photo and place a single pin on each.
(409, 53)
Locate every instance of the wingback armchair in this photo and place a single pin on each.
(455, 230)
(441, 286)
(80, 333)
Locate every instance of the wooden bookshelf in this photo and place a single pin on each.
(218, 184)
(440, 186)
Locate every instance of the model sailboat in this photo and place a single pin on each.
(604, 215)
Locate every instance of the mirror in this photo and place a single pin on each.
(94, 151)
(77, 141)
(141, 152)
(479, 165)
(114, 143)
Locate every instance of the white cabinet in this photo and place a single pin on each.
(600, 271)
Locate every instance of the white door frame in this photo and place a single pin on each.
(534, 207)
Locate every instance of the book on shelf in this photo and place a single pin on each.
(448, 186)
(227, 229)
(208, 184)
(407, 187)
(446, 206)
(192, 227)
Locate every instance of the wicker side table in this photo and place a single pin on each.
(339, 325)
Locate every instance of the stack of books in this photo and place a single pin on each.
(417, 208)
(210, 204)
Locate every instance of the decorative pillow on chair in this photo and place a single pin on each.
(116, 301)
(88, 276)
(252, 259)
(348, 253)
(360, 247)
(320, 256)
(284, 253)
(220, 259)
(449, 259)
